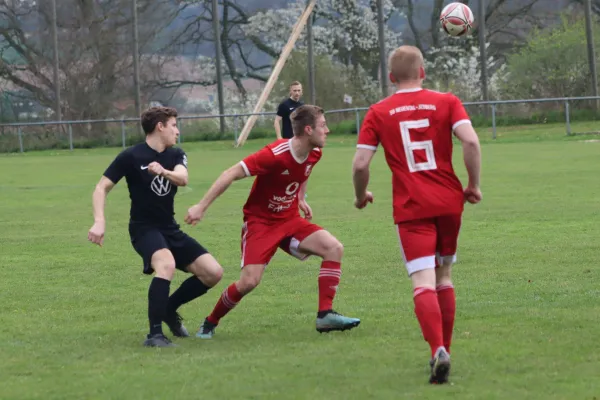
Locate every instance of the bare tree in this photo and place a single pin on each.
(95, 57)
(239, 51)
(507, 22)
(595, 5)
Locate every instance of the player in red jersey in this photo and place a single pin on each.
(414, 126)
(272, 219)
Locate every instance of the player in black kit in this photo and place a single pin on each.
(285, 109)
(153, 171)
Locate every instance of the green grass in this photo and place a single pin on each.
(74, 315)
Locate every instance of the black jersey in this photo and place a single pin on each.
(285, 109)
(152, 197)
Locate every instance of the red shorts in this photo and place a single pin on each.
(261, 239)
(424, 240)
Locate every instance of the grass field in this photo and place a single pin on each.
(74, 315)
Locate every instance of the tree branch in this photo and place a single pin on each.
(411, 23)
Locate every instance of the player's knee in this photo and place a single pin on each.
(163, 264)
(207, 269)
(248, 282)
(333, 250)
(251, 282)
(424, 278)
(443, 274)
(211, 275)
(215, 274)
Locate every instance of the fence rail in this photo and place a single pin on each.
(356, 110)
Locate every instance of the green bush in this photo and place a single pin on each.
(553, 63)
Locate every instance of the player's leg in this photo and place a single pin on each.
(190, 256)
(310, 239)
(250, 277)
(153, 248)
(258, 245)
(448, 228)
(418, 245)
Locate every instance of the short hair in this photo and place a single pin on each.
(152, 116)
(303, 116)
(405, 63)
(295, 83)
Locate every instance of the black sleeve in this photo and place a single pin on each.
(281, 110)
(181, 158)
(118, 168)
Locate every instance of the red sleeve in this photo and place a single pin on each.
(458, 114)
(368, 137)
(259, 163)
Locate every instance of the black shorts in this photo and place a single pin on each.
(184, 248)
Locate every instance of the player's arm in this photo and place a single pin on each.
(368, 140)
(178, 177)
(258, 163)
(113, 174)
(196, 213)
(463, 130)
(278, 117)
(96, 233)
(103, 187)
(302, 203)
(471, 152)
(222, 183)
(302, 191)
(360, 175)
(277, 126)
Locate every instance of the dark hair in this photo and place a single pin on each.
(304, 116)
(152, 116)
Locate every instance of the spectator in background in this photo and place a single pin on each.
(285, 109)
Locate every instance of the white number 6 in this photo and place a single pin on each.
(410, 146)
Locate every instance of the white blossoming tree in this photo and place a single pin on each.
(344, 29)
(456, 67)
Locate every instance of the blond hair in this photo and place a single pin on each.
(405, 63)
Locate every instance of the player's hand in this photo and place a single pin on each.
(472, 194)
(155, 168)
(194, 215)
(305, 209)
(96, 233)
(361, 203)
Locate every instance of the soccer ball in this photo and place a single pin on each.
(456, 19)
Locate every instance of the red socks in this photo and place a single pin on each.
(447, 302)
(329, 279)
(229, 299)
(429, 315)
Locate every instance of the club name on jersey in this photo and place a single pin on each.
(429, 107)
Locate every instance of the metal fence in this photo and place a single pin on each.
(129, 133)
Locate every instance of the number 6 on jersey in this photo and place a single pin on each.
(410, 146)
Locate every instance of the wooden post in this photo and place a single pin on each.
(276, 71)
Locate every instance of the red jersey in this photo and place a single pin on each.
(414, 127)
(279, 175)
